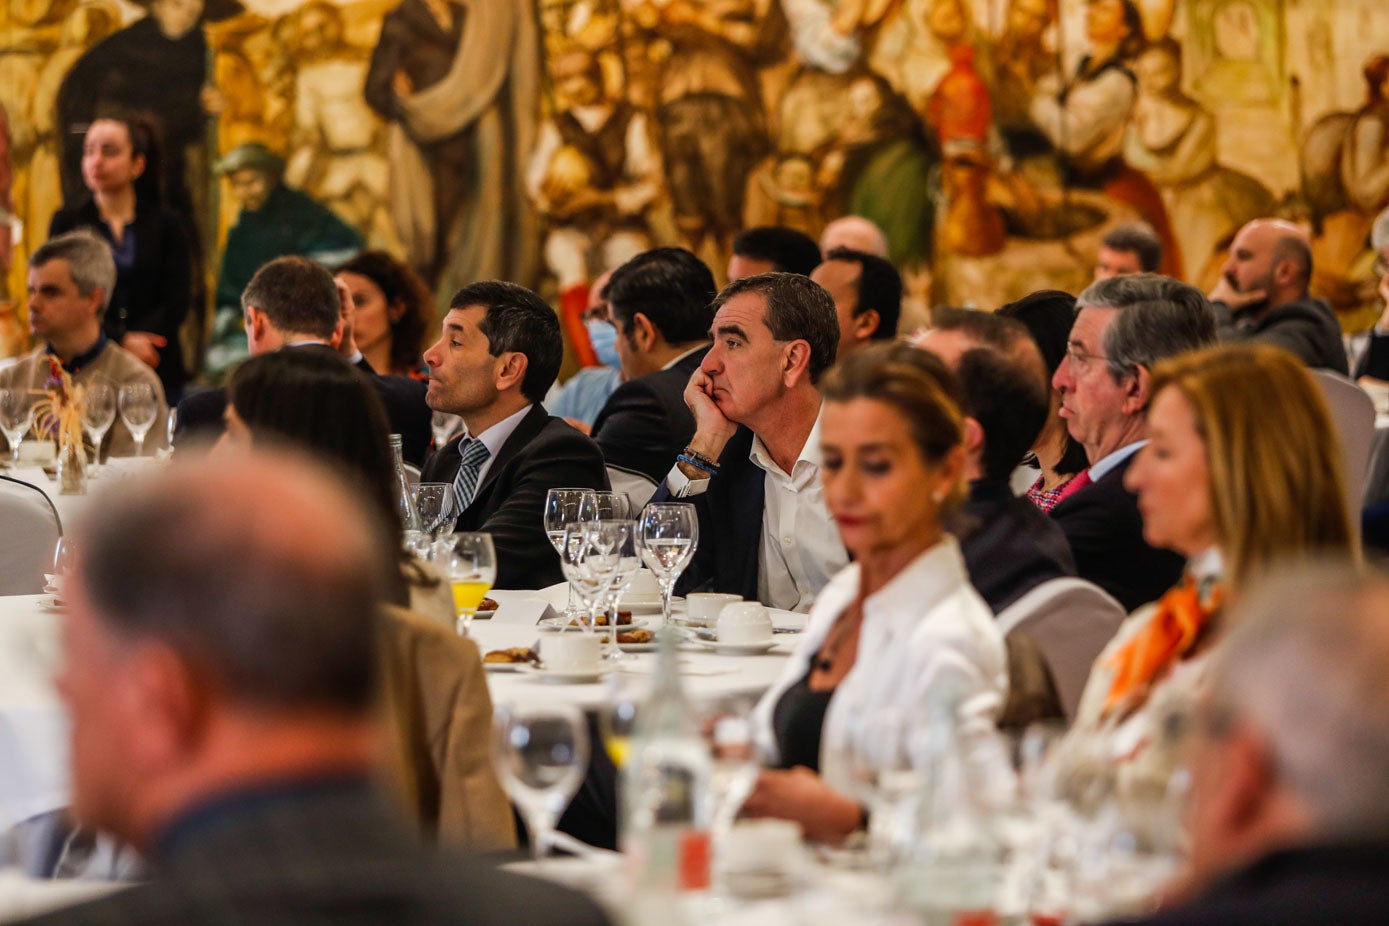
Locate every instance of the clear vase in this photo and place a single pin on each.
(72, 468)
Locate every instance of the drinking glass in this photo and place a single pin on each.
(444, 427)
(139, 406)
(590, 559)
(63, 556)
(435, 503)
(170, 427)
(667, 535)
(611, 506)
(625, 568)
(16, 418)
(567, 506)
(618, 719)
(471, 570)
(98, 414)
(878, 752)
(540, 753)
(728, 730)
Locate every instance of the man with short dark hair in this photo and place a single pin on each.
(659, 302)
(70, 282)
(499, 353)
(220, 676)
(1262, 296)
(772, 249)
(293, 302)
(1133, 247)
(867, 294)
(1123, 327)
(1288, 816)
(752, 467)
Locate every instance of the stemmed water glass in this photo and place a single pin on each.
(540, 753)
(562, 507)
(667, 535)
(879, 753)
(471, 569)
(611, 506)
(98, 414)
(16, 418)
(728, 730)
(625, 567)
(444, 426)
(434, 500)
(590, 559)
(139, 407)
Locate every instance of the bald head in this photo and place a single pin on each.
(855, 233)
(1272, 257)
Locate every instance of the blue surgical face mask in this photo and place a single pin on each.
(603, 336)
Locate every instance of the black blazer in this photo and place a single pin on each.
(1009, 546)
(317, 855)
(645, 423)
(543, 453)
(155, 293)
(200, 413)
(730, 524)
(1105, 531)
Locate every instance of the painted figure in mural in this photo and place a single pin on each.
(1020, 57)
(1087, 117)
(594, 173)
(336, 154)
(1365, 157)
(149, 241)
(459, 84)
(1172, 139)
(275, 221)
(784, 193)
(709, 108)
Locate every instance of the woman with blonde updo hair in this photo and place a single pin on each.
(900, 629)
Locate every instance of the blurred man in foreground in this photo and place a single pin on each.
(220, 675)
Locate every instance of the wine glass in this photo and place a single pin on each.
(139, 406)
(567, 506)
(878, 752)
(471, 570)
(170, 427)
(667, 535)
(98, 414)
(16, 418)
(434, 500)
(611, 506)
(444, 426)
(540, 753)
(627, 564)
(589, 559)
(728, 730)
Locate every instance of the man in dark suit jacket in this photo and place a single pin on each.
(1124, 325)
(660, 303)
(1289, 752)
(219, 675)
(293, 302)
(499, 353)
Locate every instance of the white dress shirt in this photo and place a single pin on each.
(925, 636)
(800, 548)
(1106, 463)
(493, 439)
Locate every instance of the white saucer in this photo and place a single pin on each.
(559, 623)
(486, 616)
(567, 676)
(646, 605)
(53, 605)
(505, 666)
(737, 649)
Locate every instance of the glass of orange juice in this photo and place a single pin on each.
(472, 568)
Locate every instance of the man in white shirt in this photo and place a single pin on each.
(1124, 325)
(752, 467)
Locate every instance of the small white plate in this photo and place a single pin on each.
(559, 623)
(505, 666)
(567, 676)
(485, 615)
(647, 605)
(737, 649)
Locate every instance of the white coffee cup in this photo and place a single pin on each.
(644, 586)
(570, 652)
(703, 608)
(746, 622)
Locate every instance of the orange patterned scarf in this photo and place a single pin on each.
(1170, 634)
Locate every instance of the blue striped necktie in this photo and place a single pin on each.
(474, 454)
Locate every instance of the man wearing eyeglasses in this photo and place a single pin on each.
(1123, 327)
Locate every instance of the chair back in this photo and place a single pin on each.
(412, 473)
(1353, 411)
(30, 533)
(638, 487)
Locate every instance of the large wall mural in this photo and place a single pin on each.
(995, 141)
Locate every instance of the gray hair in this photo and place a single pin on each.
(89, 262)
(798, 309)
(1328, 733)
(1159, 317)
(1379, 235)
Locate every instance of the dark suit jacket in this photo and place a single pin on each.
(200, 413)
(1375, 361)
(1345, 885)
(645, 423)
(1010, 547)
(543, 453)
(1105, 531)
(730, 524)
(313, 856)
(1307, 328)
(153, 294)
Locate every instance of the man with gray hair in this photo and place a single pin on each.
(1262, 295)
(70, 282)
(1124, 325)
(220, 676)
(1375, 361)
(1289, 755)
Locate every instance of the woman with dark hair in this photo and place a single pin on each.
(1048, 315)
(393, 312)
(154, 283)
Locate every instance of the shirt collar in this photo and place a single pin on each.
(909, 594)
(807, 465)
(494, 437)
(1101, 467)
(75, 365)
(692, 350)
